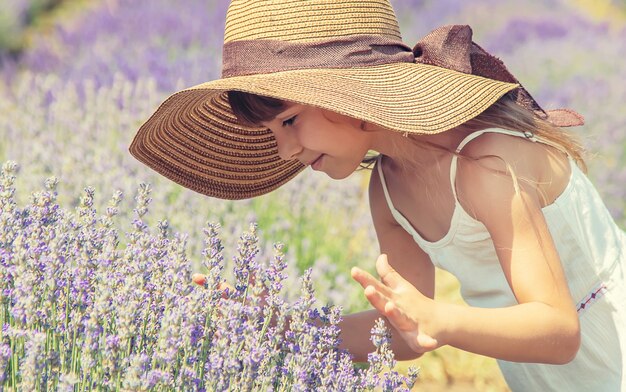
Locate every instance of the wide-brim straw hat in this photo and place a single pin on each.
(345, 56)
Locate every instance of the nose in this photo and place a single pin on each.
(288, 146)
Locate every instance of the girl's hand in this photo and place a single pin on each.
(225, 288)
(409, 311)
(199, 279)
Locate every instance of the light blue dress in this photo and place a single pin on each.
(592, 249)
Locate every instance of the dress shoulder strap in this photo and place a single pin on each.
(397, 215)
(528, 135)
(383, 182)
(476, 134)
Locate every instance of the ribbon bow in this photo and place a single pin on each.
(452, 47)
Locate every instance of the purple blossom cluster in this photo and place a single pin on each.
(79, 311)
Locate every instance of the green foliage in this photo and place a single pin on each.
(15, 18)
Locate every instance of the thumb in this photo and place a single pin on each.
(426, 342)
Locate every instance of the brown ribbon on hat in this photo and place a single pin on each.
(251, 57)
(449, 47)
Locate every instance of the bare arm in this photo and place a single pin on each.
(544, 326)
(408, 259)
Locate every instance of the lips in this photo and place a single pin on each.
(316, 163)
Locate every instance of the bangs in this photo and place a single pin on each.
(252, 109)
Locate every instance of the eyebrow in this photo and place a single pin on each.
(282, 115)
(279, 117)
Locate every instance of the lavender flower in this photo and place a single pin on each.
(136, 371)
(34, 362)
(5, 355)
(67, 382)
(382, 362)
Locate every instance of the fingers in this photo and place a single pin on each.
(361, 276)
(422, 342)
(389, 309)
(397, 317)
(365, 279)
(378, 300)
(199, 279)
(408, 328)
(387, 274)
(225, 288)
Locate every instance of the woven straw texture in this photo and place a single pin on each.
(195, 140)
(308, 20)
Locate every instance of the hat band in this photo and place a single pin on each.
(250, 57)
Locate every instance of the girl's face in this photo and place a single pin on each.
(327, 141)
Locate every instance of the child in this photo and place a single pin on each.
(472, 176)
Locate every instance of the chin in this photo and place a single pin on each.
(338, 175)
(340, 172)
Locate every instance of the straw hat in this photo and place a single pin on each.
(346, 56)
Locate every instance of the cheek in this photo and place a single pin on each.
(334, 134)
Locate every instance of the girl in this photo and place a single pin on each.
(472, 176)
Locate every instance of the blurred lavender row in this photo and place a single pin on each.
(175, 45)
(80, 313)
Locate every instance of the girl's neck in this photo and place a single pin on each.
(417, 151)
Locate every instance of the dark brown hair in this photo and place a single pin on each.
(252, 109)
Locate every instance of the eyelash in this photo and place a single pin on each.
(289, 121)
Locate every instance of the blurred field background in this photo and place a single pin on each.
(78, 77)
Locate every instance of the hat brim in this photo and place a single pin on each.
(195, 140)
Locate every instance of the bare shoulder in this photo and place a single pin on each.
(493, 167)
(497, 150)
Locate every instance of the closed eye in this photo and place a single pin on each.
(289, 121)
